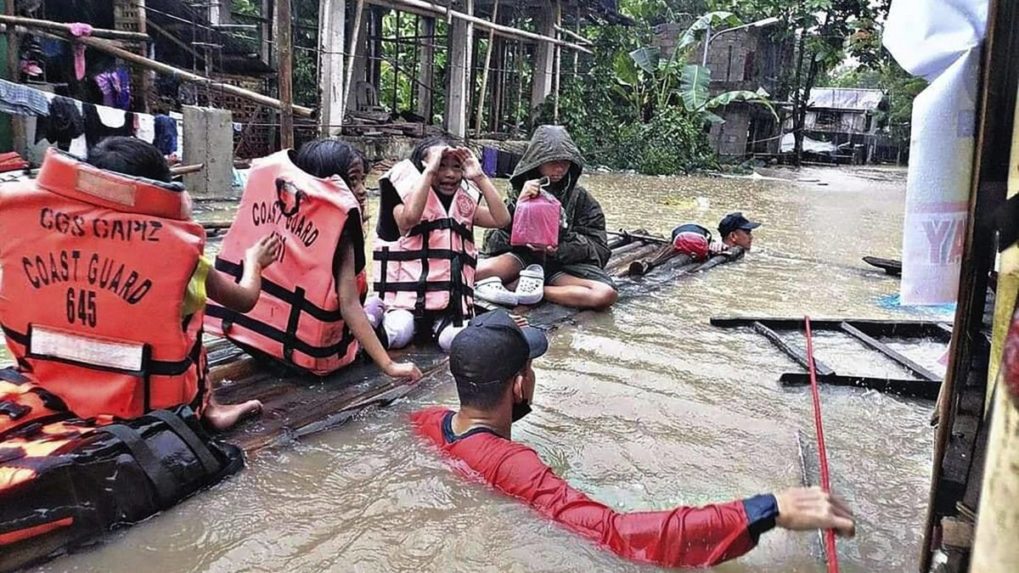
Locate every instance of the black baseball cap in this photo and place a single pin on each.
(493, 348)
(734, 221)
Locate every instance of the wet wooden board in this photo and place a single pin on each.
(923, 389)
(889, 266)
(896, 328)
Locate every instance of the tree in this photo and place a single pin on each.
(825, 32)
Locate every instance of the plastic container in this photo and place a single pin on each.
(536, 221)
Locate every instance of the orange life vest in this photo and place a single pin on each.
(431, 268)
(297, 318)
(96, 270)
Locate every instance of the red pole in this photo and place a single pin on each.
(829, 535)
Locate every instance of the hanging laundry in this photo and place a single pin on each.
(17, 99)
(146, 128)
(109, 86)
(123, 98)
(166, 134)
(102, 122)
(79, 29)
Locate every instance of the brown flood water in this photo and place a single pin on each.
(646, 406)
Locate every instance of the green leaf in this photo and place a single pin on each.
(712, 117)
(646, 58)
(726, 98)
(693, 87)
(625, 71)
(714, 20)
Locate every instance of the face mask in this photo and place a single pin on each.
(520, 410)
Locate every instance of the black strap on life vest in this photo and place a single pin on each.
(150, 367)
(167, 490)
(188, 436)
(291, 297)
(299, 305)
(458, 259)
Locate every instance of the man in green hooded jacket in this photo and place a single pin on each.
(571, 274)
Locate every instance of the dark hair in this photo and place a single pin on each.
(483, 395)
(130, 156)
(326, 157)
(417, 157)
(365, 164)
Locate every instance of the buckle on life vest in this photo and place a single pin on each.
(281, 185)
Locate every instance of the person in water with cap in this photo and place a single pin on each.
(491, 363)
(737, 231)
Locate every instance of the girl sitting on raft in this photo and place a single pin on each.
(424, 248)
(311, 315)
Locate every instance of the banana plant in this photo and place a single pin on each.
(649, 81)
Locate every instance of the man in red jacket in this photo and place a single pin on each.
(491, 362)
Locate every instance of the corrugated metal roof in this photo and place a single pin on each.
(846, 98)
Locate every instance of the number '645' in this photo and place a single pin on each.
(81, 306)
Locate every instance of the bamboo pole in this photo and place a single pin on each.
(131, 57)
(574, 35)
(558, 68)
(285, 68)
(484, 74)
(352, 50)
(61, 27)
(427, 8)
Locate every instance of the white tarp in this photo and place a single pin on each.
(809, 145)
(939, 40)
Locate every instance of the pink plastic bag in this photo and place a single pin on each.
(536, 221)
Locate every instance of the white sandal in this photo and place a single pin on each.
(492, 290)
(531, 285)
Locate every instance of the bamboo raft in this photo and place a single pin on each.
(298, 405)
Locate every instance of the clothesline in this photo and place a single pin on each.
(75, 125)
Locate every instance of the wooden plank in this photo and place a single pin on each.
(909, 388)
(890, 353)
(889, 266)
(793, 352)
(873, 327)
(285, 77)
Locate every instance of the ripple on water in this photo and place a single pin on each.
(647, 406)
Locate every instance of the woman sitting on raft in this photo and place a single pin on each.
(310, 316)
(571, 274)
(424, 247)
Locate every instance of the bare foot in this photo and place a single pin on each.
(224, 416)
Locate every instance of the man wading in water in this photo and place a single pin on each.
(693, 240)
(491, 362)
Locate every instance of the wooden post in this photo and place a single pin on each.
(332, 24)
(558, 67)
(459, 64)
(145, 76)
(353, 49)
(18, 137)
(544, 56)
(265, 31)
(426, 79)
(484, 74)
(284, 67)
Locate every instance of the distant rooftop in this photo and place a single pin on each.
(854, 99)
